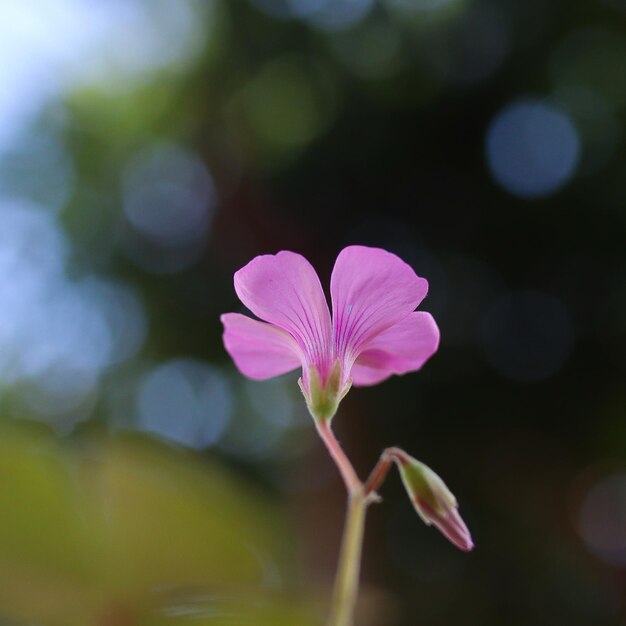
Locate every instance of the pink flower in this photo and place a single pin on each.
(373, 333)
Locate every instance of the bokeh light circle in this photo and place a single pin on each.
(602, 521)
(169, 195)
(532, 148)
(333, 15)
(185, 401)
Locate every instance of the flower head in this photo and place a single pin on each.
(373, 333)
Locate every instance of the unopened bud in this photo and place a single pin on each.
(433, 501)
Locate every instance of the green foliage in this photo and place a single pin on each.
(123, 529)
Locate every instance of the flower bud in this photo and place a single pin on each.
(433, 501)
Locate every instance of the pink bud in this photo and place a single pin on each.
(433, 501)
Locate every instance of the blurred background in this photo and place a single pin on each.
(150, 148)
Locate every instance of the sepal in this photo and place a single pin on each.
(323, 398)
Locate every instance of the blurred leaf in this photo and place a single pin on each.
(171, 521)
(38, 505)
(114, 527)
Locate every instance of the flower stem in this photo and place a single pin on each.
(353, 484)
(360, 496)
(347, 581)
(379, 473)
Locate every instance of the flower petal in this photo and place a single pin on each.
(259, 350)
(284, 289)
(371, 290)
(451, 526)
(403, 348)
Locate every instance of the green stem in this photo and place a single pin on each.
(359, 498)
(347, 581)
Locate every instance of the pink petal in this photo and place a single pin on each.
(284, 289)
(371, 290)
(259, 350)
(451, 526)
(402, 348)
